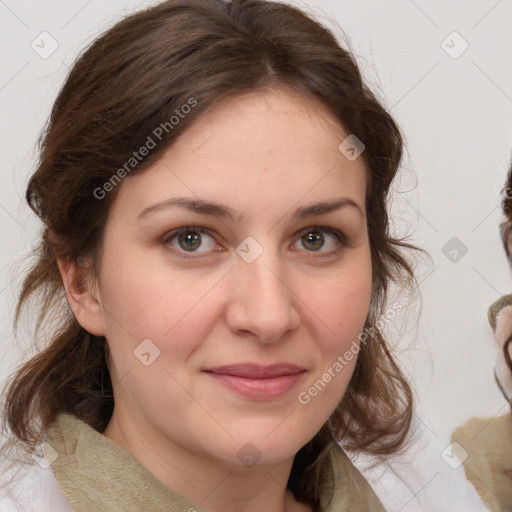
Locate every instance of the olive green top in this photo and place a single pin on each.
(95, 473)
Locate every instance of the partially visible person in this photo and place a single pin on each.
(487, 441)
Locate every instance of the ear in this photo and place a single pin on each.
(83, 294)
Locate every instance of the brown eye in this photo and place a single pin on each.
(190, 240)
(323, 240)
(313, 240)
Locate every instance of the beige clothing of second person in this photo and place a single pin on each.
(489, 459)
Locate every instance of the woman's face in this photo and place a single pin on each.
(224, 335)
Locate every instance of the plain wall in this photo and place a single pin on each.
(456, 114)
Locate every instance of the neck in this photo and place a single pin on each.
(215, 485)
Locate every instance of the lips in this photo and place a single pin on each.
(252, 371)
(260, 382)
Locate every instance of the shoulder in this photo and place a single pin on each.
(30, 487)
(485, 445)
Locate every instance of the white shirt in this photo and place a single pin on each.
(429, 477)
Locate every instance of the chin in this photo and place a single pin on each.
(261, 450)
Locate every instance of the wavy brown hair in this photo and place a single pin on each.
(132, 79)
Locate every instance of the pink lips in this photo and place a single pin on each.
(255, 381)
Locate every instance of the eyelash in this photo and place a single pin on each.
(341, 238)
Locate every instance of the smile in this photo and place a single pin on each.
(260, 382)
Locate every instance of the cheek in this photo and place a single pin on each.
(172, 309)
(339, 307)
(341, 303)
(150, 298)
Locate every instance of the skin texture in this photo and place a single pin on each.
(263, 154)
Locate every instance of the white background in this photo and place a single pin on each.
(456, 114)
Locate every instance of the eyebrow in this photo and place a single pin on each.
(225, 212)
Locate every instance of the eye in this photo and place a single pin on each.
(190, 239)
(196, 240)
(315, 238)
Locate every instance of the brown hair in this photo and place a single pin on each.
(133, 79)
(506, 224)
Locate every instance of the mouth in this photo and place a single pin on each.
(260, 382)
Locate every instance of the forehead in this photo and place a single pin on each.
(267, 149)
(270, 122)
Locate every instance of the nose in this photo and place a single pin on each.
(263, 303)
